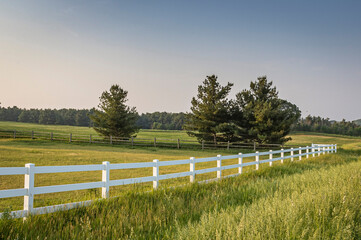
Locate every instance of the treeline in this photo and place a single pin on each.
(325, 125)
(161, 120)
(74, 117)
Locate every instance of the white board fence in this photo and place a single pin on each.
(30, 170)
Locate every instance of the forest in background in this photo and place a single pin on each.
(80, 117)
(161, 120)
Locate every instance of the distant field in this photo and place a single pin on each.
(298, 138)
(143, 133)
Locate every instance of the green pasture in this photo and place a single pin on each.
(75, 130)
(317, 198)
(18, 152)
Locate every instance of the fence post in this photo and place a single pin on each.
(14, 133)
(319, 151)
(282, 155)
(307, 152)
(270, 157)
(32, 134)
(51, 136)
(313, 151)
(132, 141)
(29, 186)
(111, 140)
(105, 179)
(291, 154)
(228, 145)
(257, 160)
(155, 142)
(335, 148)
(299, 152)
(178, 143)
(219, 165)
(90, 138)
(240, 162)
(70, 136)
(156, 174)
(192, 169)
(328, 149)
(202, 144)
(254, 145)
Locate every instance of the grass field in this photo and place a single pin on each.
(16, 153)
(143, 133)
(317, 198)
(167, 219)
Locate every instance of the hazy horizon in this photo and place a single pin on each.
(64, 54)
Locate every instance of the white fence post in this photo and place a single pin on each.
(240, 162)
(192, 169)
(319, 151)
(219, 165)
(313, 151)
(156, 174)
(299, 152)
(291, 154)
(29, 185)
(335, 148)
(257, 160)
(270, 157)
(307, 152)
(282, 155)
(323, 150)
(105, 179)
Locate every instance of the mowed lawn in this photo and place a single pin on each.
(16, 153)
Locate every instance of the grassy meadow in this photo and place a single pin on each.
(190, 210)
(318, 198)
(75, 130)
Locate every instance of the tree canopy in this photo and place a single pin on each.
(210, 115)
(257, 114)
(114, 117)
(266, 117)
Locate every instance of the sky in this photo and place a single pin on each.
(64, 54)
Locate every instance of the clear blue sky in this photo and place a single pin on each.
(64, 54)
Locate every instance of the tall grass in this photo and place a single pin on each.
(318, 198)
(314, 205)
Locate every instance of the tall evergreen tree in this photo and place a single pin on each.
(266, 117)
(114, 117)
(210, 112)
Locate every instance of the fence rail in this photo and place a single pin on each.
(134, 141)
(30, 170)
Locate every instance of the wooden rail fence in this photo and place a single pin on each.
(135, 141)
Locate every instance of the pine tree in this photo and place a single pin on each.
(114, 117)
(266, 117)
(210, 112)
